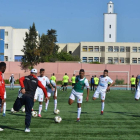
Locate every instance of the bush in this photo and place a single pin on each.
(60, 83)
(6, 81)
(95, 63)
(119, 82)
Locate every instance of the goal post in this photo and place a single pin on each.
(115, 75)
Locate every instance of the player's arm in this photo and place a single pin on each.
(21, 82)
(43, 88)
(112, 83)
(1, 93)
(87, 86)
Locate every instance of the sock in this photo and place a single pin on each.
(78, 112)
(47, 104)
(4, 107)
(40, 109)
(102, 106)
(55, 104)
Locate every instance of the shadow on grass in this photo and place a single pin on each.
(7, 127)
(124, 113)
(16, 114)
(76, 112)
(53, 119)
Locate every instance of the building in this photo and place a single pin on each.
(109, 51)
(11, 43)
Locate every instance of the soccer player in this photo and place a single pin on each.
(92, 83)
(12, 82)
(73, 80)
(53, 77)
(102, 88)
(133, 82)
(65, 80)
(96, 81)
(51, 92)
(2, 86)
(78, 90)
(28, 85)
(39, 92)
(137, 94)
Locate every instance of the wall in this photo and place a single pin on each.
(61, 68)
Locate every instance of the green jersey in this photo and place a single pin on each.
(53, 78)
(96, 80)
(133, 81)
(52, 83)
(80, 84)
(73, 79)
(65, 79)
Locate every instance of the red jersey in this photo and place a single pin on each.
(2, 86)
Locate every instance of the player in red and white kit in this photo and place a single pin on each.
(102, 88)
(2, 86)
(39, 92)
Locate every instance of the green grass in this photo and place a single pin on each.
(121, 119)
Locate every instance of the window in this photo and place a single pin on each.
(116, 48)
(84, 48)
(6, 46)
(6, 58)
(85, 59)
(138, 49)
(110, 48)
(18, 58)
(139, 60)
(90, 49)
(134, 60)
(116, 60)
(96, 48)
(110, 59)
(122, 60)
(134, 49)
(6, 33)
(102, 48)
(109, 35)
(110, 26)
(70, 52)
(96, 59)
(127, 49)
(90, 59)
(122, 49)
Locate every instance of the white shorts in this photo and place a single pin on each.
(5, 95)
(137, 94)
(50, 92)
(78, 95)
(39, 96)
(97, 92)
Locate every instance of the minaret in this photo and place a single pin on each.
(110, 24)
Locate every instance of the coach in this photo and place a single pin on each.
(28, 87)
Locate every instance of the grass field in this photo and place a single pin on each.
(121, 119)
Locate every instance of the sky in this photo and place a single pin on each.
(75, 20)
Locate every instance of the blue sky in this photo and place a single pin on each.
(74, 20)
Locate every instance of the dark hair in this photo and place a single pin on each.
(65, 73)
(132, 75)
(106, 71)
(95, 75)
(53, 74)
(2, 64)
(42, 70)
(81, 70)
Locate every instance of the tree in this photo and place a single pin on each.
(31, 50)
(48, 46)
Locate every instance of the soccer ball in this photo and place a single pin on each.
(57, 119)
(34, 114)
(56, 111)
(12, 110)
(23, 110)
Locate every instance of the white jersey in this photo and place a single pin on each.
(103, 83)
(52, 83)
(45, 81)
(138, 78)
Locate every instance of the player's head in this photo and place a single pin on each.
(82, 73)
(73, 74)
(34, 72)
(132, 75)
(2, 67)
(65, 73)
(105, 73)
(42, 72)
(53, 74)
(94, 75)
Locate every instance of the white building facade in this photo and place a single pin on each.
(11, 43)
